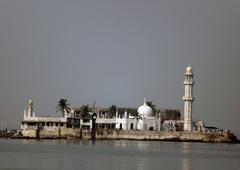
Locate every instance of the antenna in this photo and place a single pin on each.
(94, 103)
(146, 97)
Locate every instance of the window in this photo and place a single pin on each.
(151, 128)
(131, 126)
(86, 120)
(31, 123)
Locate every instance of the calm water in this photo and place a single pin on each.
(110, 155)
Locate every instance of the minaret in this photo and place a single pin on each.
(30, 108)
(188, 99)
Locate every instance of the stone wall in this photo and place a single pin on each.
(52, 133)
(31, 133)
(131, 135)
(171, 136)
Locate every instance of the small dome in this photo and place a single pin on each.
(145, 110)
(30, 102)
(189, 70)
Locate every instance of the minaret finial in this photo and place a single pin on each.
(189, 70)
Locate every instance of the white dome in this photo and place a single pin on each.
(30, 102)
(145, 110)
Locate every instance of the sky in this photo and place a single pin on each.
(118, 52)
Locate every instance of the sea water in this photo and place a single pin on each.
(22, 154)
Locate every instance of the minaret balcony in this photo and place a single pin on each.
(188, 98)
(188, 82)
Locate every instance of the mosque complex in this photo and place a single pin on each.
(72, 124)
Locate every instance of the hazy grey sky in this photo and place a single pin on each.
(111, 51)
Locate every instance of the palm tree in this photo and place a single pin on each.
(152, 105)
(63, 106)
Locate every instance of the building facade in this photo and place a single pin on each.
(71, 123)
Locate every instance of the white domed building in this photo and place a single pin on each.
(144, 121)
(145, 110)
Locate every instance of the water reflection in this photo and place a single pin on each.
(58, 141)
(115, 155)
(133, 155)
(140, 145)
(186, 150)
(29, 141)
(142, 163)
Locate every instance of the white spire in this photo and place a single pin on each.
(145, 101)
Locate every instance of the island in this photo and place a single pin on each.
(115, 123)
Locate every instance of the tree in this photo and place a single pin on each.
(84, 110)
(170, 114)
(112, 110)
(63, 106)
(132, 111)
(152, 105)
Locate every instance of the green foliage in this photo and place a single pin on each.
(153, 106)
(112, 111)
(63, 105)
(170, 114)
(132, 111)
(84, 109)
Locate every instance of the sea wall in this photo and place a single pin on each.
(52, 133)
(109, 134)
(164, 136)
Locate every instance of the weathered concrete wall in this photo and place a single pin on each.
(60, 133)
(52, 133)
(157, 135)
(31, 133)
(131, 135)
